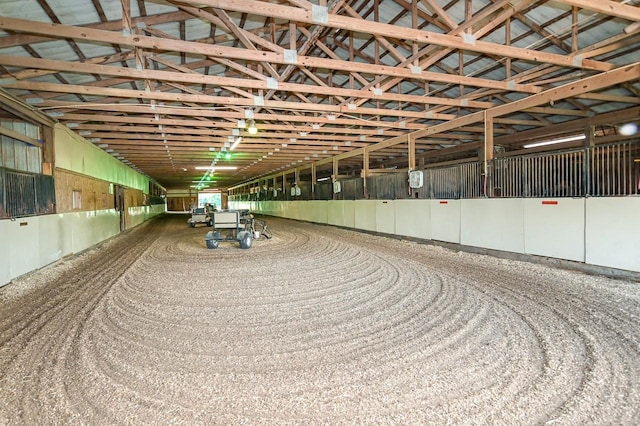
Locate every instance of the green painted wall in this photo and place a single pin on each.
(74, 153)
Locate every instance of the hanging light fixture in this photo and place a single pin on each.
(252, 129)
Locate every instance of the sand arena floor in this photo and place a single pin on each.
(316, 326)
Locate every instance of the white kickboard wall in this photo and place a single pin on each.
(597, 231)
(37, 241)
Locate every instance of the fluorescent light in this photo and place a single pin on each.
(323, 179)
(214, 168)
(556, 141)
(628, 129)
(236, 143)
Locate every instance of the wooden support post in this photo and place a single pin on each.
(488, 156)
(284, 183)
(365, 171)
(589, 142)
(412, 152)
(335, 173)
(275, 190)
(314, 181)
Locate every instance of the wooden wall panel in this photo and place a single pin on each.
(96, 193)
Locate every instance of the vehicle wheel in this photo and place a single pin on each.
(246, 240)
(210, 222)
(213, 244)
(266, 233)
(192, 224)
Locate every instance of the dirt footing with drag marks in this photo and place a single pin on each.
(317, 325)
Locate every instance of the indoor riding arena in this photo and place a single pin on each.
(317, 325)
(320, 212)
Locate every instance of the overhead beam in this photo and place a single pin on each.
(224, 52)
(585, 85)
(410, 34)
(196, 78)
(607, 7)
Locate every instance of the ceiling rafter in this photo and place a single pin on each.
(348, 23)
(323, 79)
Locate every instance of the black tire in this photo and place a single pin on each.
(213, 244)
(246, 241)
(192, 224)
(266, 233)
(210, 222)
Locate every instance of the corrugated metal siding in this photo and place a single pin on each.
(45, 194)
(21, 194)
(25, 194)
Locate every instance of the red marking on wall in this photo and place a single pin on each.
(444, 202)
(549, 203)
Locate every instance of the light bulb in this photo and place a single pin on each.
(252, 129)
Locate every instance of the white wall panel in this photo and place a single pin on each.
(335, 213)
(137, 215)
(5, 252)
(445, 220)
(89, 228)
(613, 232)
(413, 218)
(554, 227)
(515, 225)
(385, 216)
(24, 239)
(305, 210)
(45, 239)
(496, 223)
(318, 211)
(349, 213)
(365, 214)
(269, 207)
(290, 210)
(50, 250)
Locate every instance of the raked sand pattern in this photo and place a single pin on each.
(318, 325)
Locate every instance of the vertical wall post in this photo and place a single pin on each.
(412, 151)
(314, 181)
(335, 173)
(365, 171)
(487, 185)
(284, 186)
(589, 143)
(275, 190)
